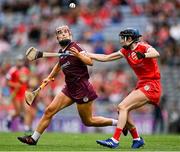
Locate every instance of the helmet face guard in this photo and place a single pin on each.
(64, 35)
(133, 33)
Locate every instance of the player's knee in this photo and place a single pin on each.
(49, 112)
(121, 107)
(17, 113)
(87, 122)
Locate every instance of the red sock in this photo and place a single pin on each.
(117, 134)
(134, 133)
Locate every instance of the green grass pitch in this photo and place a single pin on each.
(86, 142)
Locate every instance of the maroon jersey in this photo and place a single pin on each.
(72, 67)
(77, 87)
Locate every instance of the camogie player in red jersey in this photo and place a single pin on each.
(17, 78)
(142, 59)
(77, 89)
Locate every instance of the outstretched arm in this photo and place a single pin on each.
(104, 57)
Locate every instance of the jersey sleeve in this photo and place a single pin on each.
(80, 49)
(123, 51)
(146, 47)
(77, 46)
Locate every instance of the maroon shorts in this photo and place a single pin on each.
(152, 90)
(80, 91)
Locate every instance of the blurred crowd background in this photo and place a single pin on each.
(95, 25)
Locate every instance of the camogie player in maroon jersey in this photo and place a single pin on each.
(76, 90)
(142, 58)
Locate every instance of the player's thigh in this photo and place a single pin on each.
(134, 100)
(59, 102)
(17, 105)
(85, 110)
(33, 112)
(30, 110)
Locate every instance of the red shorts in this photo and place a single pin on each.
(19, 98)
(152, 89)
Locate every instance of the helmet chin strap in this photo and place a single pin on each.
(64, 43)
(127, 47)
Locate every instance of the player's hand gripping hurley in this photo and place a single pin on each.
(30, 96)
(33, 54)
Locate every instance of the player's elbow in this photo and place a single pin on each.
(154, 53)
(158, 55)
(90, 62)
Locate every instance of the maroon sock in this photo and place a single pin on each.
(117, 134)
(134, 133)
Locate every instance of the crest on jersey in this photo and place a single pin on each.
(85, 99)
(146, 87)
(133, 58)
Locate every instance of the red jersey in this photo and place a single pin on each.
(18, 76)
(23, 76)
(13, 76)
(146, 68)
